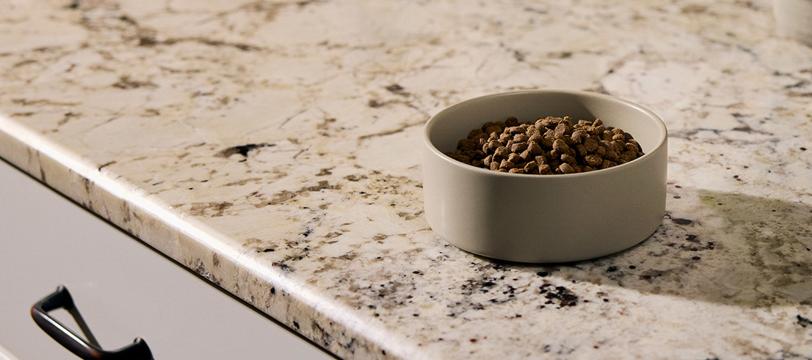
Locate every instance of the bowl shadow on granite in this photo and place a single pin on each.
(717, 247)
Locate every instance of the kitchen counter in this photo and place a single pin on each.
(272, 147)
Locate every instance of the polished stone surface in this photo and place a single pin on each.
(273, 148)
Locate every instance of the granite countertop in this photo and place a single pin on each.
(272, 148)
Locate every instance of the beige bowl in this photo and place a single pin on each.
(544, 218)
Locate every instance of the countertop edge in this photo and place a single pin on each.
(195, 246)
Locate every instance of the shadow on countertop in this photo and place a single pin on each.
(720, 247)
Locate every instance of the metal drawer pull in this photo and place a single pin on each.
(85, 349)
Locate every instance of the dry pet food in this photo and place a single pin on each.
(550, 145)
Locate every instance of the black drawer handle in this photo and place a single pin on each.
(85, 349)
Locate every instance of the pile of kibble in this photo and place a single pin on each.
(550, 145)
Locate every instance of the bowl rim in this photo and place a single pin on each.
(466, 167)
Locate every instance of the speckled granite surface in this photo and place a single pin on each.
(271, 147)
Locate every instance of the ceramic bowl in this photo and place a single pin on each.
(544, 218)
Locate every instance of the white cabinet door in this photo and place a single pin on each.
(122, 288)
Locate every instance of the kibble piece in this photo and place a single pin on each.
(514, 158)
(534, 148)
(618, 137)
(505, 164)
(503, 138)
(561, 129)
(569, 159)
(628, 156)
(593, 160)
(501, 152)
(581, 149)
(487, 160)
(601, 150)
(578, 136)
(561, 146)
(513, 130)
(516, 171)
(536, 137)
(520, 138)
(531, 167)
(612, 155)
(590, 144)
(494, 165)
(518, 147)
(566, 168)
(492, 128)
(544, 169)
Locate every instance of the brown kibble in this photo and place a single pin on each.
(518, 147)
(581, 149)
(535, 137)
(513, 130)
(566, 168)
(549, 145)
(561, 146)
(534, 148)
(612, 155)
(593, 160)
(547, 140)
(617, 146)
(500, 152)
(628, 156)
(578, 136)
(590, 144)
(490, 128)
(561, 129)
(548, 122)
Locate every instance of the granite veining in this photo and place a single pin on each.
(272, 147)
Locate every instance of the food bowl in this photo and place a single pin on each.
(544, 218)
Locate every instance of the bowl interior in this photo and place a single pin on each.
(454, 123)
